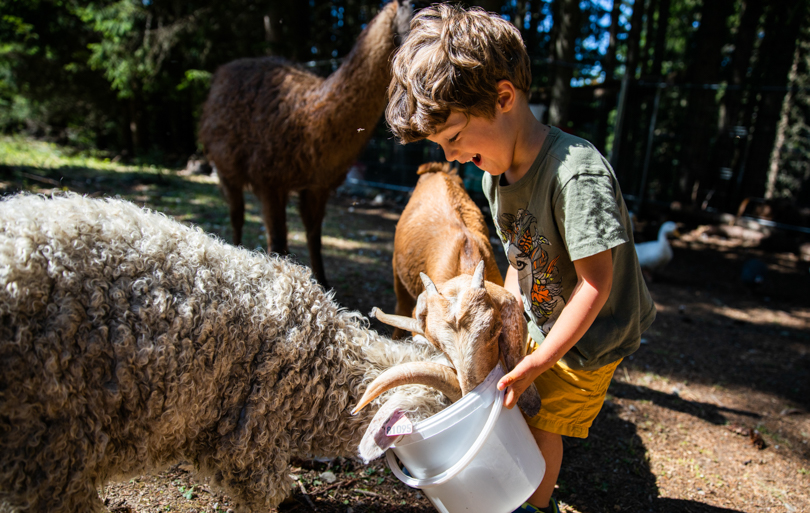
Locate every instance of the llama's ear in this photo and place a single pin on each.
(375, 442)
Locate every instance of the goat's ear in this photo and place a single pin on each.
(420, 311)
(512, 340)
(375, 442)
(512, 345)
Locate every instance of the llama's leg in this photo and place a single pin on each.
(313, 207)
(405, 304)
(236, 204)
(274, 214)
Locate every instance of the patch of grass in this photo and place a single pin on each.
(16, 150)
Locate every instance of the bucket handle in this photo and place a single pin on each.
(461, 464)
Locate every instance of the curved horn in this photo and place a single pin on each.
(478, 276)
(397, 321)
(435, 375)
(429, 286)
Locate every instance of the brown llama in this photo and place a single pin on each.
(269, 125)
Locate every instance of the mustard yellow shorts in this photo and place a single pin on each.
(571, 398)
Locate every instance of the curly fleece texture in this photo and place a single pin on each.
(129, 341)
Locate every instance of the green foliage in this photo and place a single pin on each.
(120, 54)
(131, 76)
(196, 77)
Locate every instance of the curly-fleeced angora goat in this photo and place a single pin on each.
(274, 127)
(129, 341)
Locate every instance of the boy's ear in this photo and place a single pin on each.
(506, 95)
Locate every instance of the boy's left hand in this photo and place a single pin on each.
(517, 381)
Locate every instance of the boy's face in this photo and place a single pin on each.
(484, 142)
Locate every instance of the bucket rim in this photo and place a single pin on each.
(479, 397)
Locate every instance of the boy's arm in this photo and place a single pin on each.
(511, 284)
(594, 279)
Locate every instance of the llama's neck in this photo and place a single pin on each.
(351, 100)
(365, 72)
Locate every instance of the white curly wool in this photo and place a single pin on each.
(129, 341)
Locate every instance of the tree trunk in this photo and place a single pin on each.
(782, 27)
(634, 38)
(296, 24)
(732, 133)
(519, 17)
(781, 130)
(660, 38)
(608, 99)
(610, 55)
(136, 125)
(490, 5)
(703, 71)
(567, 22)
(648, 40)
(530, 38)
(624, 154)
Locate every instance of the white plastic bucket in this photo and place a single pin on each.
(474, 456)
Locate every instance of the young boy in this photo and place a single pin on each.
(461, 79)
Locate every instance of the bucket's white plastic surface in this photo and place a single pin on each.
(474, 456)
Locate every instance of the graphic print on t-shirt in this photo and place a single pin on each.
(538, 277)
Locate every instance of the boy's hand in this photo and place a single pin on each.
(517, 381)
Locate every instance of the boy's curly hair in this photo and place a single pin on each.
(453, 59)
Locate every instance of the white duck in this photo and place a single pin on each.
(654, 255)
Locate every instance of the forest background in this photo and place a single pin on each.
(701, 103)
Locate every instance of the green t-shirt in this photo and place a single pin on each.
(569, 206)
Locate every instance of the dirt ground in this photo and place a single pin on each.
(710, 415)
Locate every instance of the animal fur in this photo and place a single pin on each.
(129, 341)
(442, 233)
(274, 127)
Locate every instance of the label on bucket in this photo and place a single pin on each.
(399, 424)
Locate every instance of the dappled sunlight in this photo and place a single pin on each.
(376, 213)
(796, 318)
(661, 308)
(206, 201)
(360, 248)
